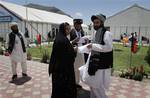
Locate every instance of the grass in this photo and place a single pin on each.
(38, 51)
(122, 56)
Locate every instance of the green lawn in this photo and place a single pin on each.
(122, 56)
(38, 51)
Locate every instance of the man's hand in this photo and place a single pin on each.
(89, 46)
(75, 49)
(86, 40)
(76, 40)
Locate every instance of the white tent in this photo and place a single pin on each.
(35, 15)
(132, 19)
(37, 21)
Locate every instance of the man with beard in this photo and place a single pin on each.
(17, 50)
(76, 37)
(101, 60)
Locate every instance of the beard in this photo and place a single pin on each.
(96, 27)
(78, 29)
(15, 31)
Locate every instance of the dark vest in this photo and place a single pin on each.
(100, 60)
(11, 43)
(73, 35)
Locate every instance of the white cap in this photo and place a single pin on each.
(13, 24)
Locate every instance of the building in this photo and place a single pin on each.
(34, 20)
(133, 19)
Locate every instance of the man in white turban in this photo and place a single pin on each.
(17, 49)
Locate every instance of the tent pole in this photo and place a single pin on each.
(130, 58)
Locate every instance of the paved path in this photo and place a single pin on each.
(38, 84)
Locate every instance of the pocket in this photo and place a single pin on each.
(93, 65)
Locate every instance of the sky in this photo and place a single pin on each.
(84, 9)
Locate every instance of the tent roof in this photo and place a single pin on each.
(47, 8)
(32, 14)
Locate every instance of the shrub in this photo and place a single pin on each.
(1, 51)
(29, 57)
(1, 39)
(45, 57)
(147, 57)
(135, 73)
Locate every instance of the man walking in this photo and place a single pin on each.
(17, 50)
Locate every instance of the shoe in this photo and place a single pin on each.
(24, 75)
(14, 77)
(78, 86)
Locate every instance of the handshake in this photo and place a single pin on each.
(83, 49)
(80, 40)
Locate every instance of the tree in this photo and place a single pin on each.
(147, 57)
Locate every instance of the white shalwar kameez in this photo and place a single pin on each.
(100, 82)
(79, 60)
(18, 55)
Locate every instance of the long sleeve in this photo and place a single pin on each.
(52, 62)
(83, 49)
(24, 39)
(7, 41)
(108, 44)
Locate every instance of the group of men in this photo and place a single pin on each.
(101, 60)
(101, 55)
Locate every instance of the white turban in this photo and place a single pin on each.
(13, 24)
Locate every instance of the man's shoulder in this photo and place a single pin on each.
(10, 34)
(72, 33)
(72, 30)
(21, 33)
(108, 32)
(82, 32)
